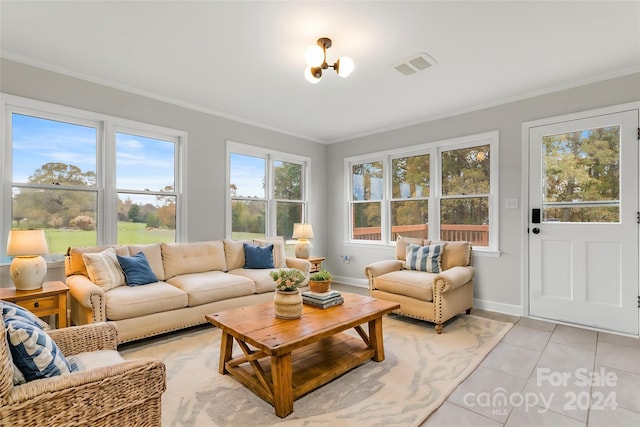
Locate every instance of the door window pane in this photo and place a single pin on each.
(582, 176)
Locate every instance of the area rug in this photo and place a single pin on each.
(420, 370)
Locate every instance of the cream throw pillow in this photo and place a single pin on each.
(279, 256)
(103, 269)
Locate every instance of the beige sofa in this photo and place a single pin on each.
(435, 297)
(194, 279)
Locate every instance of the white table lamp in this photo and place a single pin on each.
(303, 232)
(28, 268)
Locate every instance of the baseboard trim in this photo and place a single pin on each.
(359, 283)
(499, 307)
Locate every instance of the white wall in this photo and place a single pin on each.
(499, 281)
(207, 135)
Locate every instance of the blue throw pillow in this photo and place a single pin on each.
(137, 270)
(258, 256)
(34, 352)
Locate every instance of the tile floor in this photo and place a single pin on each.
(545, 374)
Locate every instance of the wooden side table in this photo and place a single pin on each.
(50, 299)
(316, 263)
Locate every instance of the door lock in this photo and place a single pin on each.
(536, 230)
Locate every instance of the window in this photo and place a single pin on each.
(267, 192)
(439, 191)
(88, 179)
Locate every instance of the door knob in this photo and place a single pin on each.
(536, 230)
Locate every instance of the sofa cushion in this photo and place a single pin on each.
(411, 283)
(424, 258)
(136, 269)
(153, 252)
(233, 253)
(125, 302)
(402, 242)
(34, 352)
(258, 256)
(210, 286)
(103, 269)
(279, 255)
(74, 264)
(263, 282)
(195, 257)
(456, 254)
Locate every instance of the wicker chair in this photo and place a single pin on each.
(126, 394)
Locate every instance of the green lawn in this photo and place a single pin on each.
(128, 233)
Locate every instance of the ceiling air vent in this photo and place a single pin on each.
(415, 63)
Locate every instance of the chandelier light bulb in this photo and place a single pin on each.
(308, 74)
(344, 66)
(314, 56)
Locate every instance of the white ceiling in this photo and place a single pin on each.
(245, 60)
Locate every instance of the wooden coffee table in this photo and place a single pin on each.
(283, 360)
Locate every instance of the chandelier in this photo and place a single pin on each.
(316, 57)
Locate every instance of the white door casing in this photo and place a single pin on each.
(581, 272)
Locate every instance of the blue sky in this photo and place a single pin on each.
(247, 173)
(142, 163)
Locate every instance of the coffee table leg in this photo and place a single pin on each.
(226, 350)
(375, 339)
(282, 384)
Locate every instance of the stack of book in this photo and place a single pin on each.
(322, 300)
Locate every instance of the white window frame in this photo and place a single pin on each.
(270, 156)
(106, 126)
(434, 150)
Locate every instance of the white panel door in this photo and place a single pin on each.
(583, 248)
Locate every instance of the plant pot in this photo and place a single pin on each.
(319, 286)
(288, 304)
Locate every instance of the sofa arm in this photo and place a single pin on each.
(71, 396)
(88, 295)
(379, 268)
(452, 278)
(78, 339)
(299, 263)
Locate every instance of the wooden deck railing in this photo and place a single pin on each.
(476, 234)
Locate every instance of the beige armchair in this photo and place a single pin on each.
(435, 297)
(124, 394)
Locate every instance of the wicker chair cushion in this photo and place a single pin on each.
(95, 359)
(34, 352)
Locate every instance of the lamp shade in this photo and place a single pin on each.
(314, 55)
(302, 231)
(27, 243)
(308, 74)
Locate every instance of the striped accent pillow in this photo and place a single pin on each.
(35, 354)
(424, 258)
(103, 269)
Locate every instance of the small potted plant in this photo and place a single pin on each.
(320, 281)
(287, 300)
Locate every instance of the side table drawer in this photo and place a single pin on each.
(41, 306)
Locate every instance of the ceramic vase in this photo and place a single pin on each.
(288, 304)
